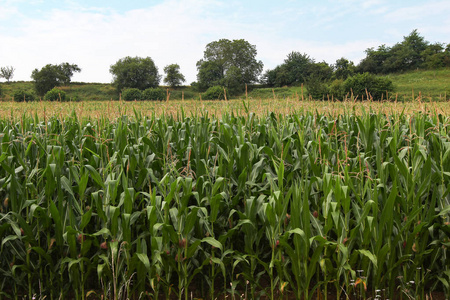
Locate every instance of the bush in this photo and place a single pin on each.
(316, 88)
(22, 95)
(336, 89)
(131, 94)
(376, 86)
(154, 94)
(55, 95)
(214, 93)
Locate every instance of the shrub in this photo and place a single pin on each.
(336, 89)
(55, 95)
(214, 93)
(154, 94)
(316, 88)
(376, 86)
(23, 95)
(132, 94)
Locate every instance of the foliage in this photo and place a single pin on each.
(132, 94)
(7, 73)
(343, 68)
(67, 71)
(317, 89)
(214, 93)
(154, 94)
(228, 63)
(336, 89)
(23, 95)
(368, 85)
(412, 53)
(173, 77)
(276, 206)
(295, 70)
(135, 72)
(52, 76)
(298, 69)
(55, 94)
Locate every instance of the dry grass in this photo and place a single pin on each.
(114, 109)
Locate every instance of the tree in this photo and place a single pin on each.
(135, 72)
(67, 71)
(51, 76)
(373, 62)
(296, 69)
(321, 71)
(7, 73)
(174, 77)
(343, 68)
(224, 56)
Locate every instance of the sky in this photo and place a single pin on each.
(96, 34)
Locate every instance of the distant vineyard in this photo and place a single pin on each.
(315, 202)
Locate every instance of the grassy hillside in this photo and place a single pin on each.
(433, 84)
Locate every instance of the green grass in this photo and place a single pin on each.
(430, 83)
(433, 84)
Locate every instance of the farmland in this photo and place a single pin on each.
(244, 198)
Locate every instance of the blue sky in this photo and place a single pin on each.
(95, 34)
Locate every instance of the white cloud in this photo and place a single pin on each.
(177, 31)
(419, 12)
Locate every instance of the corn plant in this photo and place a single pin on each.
(184, 205)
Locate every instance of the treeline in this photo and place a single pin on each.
(228, 67)
(345, 78)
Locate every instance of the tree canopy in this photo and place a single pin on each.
(228, 63)
(412, 53)
(51, 76)
(173, 77)
(135, 72)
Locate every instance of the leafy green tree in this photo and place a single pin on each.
(374, 60)
(415, 44)
(52, 76)
(174, 77)
(209, 74)
(225, 56)
(321, 71)
(67, 71)
(135, 72)
(412, 53)
(295, 70)
(7, 73)
(298, 67)
(343, 68)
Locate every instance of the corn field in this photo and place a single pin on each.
(304, 205)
